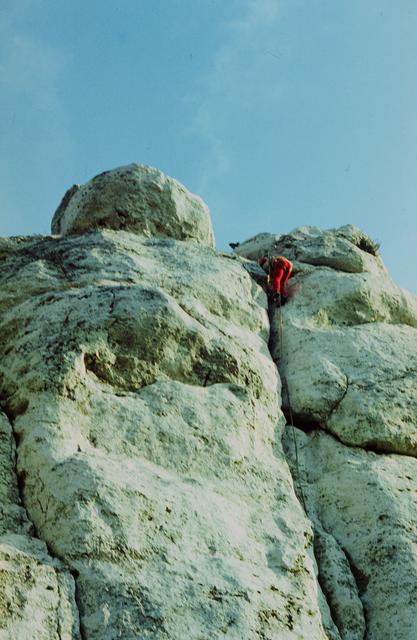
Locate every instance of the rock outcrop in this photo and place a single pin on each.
(145, 490)
(134, 198)
(350, 346)
(346, 348)
(37, 591)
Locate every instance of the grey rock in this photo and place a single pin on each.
(346, 347)
(144, 488)
(366, 501)
(37, 594)
(134, 198)
(346, 344)
(338, 584)
(137, 374)
(345, 249)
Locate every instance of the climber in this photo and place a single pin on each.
(278, 270)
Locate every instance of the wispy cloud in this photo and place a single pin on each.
(33, 128)
(236, 86)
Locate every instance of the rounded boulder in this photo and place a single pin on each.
(134, 198)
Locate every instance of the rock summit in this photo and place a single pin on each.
(134, 198)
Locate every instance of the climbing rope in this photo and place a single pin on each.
(285, 385)
(287, 393)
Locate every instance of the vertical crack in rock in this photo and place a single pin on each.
(273, 337)
(112, 302)
(79, 604)
(341, 583)
(348, 352)
(297, 479)
(199, 454)
(338, 581)
(58, 619)
(34, 533)
(20, 477)
(340, 400)
(361, 581)
(337, 576)
(326, 592)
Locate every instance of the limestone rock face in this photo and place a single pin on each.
(144, 484)
(37, 592)
(134, 198)
(145, 404)
(366, 502)
(346, 347)
(345, 249)
(349, 344)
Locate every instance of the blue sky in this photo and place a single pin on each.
(279, 113)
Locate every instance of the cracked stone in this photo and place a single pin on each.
(146, 404)
(366, 502)
(36, 589)
(154, 497)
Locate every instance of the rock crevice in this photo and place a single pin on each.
(351, 393)
(342, 583)
(37, 589)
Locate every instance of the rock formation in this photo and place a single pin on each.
(346, 349)
(145, 482)
(135, 198)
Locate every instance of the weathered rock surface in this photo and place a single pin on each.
(346, 347)
(146, 407)
(134, 198)
(345, 249)
(144, 488)
(349, 347)
(37, 596)
(367, 504)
